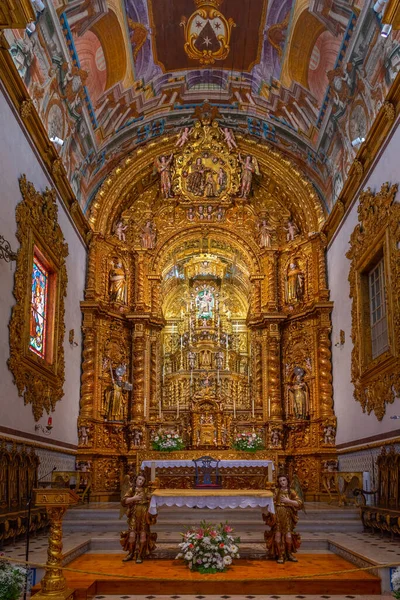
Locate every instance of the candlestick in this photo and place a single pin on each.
(234, 407)
(145, 407)
(269, 407)
(177, 406)
(252, 406)
(159, 409)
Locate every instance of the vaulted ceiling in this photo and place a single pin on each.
(303, 76)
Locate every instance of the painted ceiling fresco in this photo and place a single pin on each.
(305, 76)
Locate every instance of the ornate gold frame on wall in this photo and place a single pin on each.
(376, 381)
(39, 381)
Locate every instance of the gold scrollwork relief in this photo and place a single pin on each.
(39, 380)
(377, 236)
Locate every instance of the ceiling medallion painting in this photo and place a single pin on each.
(214, 34)
(207, 33)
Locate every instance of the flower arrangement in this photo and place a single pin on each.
(209, 548)
(247, 441)
(167, 441)
(12, 580)
(396, 582)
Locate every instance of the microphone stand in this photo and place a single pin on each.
(28, 528)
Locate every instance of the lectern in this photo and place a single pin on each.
(56, 501)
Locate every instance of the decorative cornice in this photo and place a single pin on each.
(391, 16)
(20, 99)
(16, 14)
(366, 156)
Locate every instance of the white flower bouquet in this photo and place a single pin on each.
(247, 441)
(396, 582)
(12, 580)
(209, 548)
(167, 441)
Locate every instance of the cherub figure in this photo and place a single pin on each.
(119, 231)
(292, 230)
(183, 137)
(229, 138)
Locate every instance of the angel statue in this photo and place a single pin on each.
(249, 166)
(183, 137)
(229, 138)
(138, 541)
(163, 166)
(281, 540)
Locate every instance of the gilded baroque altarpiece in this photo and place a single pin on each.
(206, 308)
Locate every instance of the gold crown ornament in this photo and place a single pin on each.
(216, 3)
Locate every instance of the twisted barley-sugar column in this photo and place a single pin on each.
(140, 290)
(272, 282)
(153, 370)
(138, 375)
(155, 299)
(325, 372)
(90, 290)
(88, 372)
(54, 580)
(274, 392)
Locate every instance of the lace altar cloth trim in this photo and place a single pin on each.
(226, 464)
(211, 499)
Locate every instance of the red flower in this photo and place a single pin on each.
(221, 545)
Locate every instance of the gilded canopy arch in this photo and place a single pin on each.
(279, 180)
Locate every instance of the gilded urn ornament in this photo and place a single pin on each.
(207, 33)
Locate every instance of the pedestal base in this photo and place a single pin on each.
(67, 594)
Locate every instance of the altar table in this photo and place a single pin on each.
(235, 473)
(211, 499)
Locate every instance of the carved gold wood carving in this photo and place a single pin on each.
(39, 381)
(262, 333)
(16, 14)
(376, 382)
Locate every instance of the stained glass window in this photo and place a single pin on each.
(39, 308)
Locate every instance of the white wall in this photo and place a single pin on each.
(353, 424)
(16, 158)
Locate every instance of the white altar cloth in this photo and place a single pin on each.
(226, 464)
(211, 499)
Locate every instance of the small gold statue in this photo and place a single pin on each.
(138, 541)
(282, 540)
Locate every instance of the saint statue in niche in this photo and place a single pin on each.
(265, 234)
(196, 179)
(117, 282)
(294, 283)
(114, 402)
(209, 188)
(298, 391)
(149, 236)
(163, 166)
(249, 167)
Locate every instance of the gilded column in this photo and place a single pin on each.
(274, 404)
(138, 370)
(325, 368)
(272, 282)
(88, 372)
(90, 290)
(140, 285)
(53, 583)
